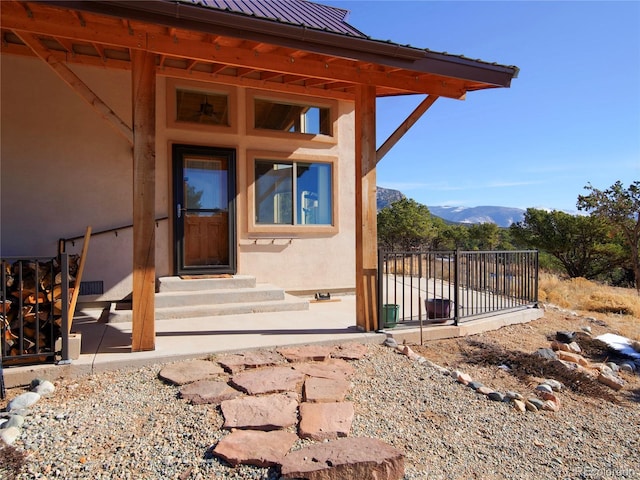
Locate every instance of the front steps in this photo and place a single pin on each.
(205, 297)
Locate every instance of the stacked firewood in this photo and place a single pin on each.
(31, 306)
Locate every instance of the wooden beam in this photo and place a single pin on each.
(77, 85)
(143, 94)
(405, 126)
(366, 215)
(195, 46)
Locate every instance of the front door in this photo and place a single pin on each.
(204, 209)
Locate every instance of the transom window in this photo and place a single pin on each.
(208, 108)
(293, 193)
(283, 116)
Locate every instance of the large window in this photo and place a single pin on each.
(293, 193)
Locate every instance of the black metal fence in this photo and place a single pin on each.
(454, 286)
(34, 310)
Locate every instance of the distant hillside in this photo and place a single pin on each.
(386, 196)
(501, 216)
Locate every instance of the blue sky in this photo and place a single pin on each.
(571, 117)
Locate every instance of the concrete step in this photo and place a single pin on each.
(261, 293)
(287, 304)
(217, 295)
(178, 284)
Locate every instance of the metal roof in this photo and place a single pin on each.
(294, 12)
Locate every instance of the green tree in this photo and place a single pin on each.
(620, 208)
(406, 225)
(580, 243)
(484, 236)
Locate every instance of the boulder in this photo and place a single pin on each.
(611, 381)
(573, 358)
(345, 459)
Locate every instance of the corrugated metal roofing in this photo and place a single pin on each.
(294, 12)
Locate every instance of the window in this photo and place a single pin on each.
(208, 108)
(292, 118)
(293, 193)
(200, 106)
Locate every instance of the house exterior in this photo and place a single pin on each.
(204, 137)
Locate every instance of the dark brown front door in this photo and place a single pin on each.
(204, 193)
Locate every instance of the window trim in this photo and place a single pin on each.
(175, 84)
(276, 229)
(331, 104)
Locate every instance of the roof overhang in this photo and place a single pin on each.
(192, 39)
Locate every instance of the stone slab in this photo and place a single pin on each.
(349, 351)
(208, 391)
(240, 361)
(268, 380)
(325, 421)
(251, 447)
(345, 459)
(268, 412)
(306, 353)
(181, 373)
(325, 389)
(333, 368)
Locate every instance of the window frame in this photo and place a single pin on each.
(288, 229)
(175, 84)
(302, 100)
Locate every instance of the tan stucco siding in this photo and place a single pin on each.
(63, 168)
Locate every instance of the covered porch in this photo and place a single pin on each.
(159, 39)
(107, 346)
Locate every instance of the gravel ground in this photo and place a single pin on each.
(131, 425)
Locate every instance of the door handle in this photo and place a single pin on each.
(179, 210)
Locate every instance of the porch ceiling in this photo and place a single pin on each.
(269, 57)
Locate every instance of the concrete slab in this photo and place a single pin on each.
(107, 346)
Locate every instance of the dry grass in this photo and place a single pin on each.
(620, 307)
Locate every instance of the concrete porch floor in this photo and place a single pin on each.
(107, 346)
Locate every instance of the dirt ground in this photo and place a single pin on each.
(503, 360)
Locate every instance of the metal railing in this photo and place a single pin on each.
(454, 286)
(34, 310)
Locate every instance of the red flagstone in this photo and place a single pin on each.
(325, 421)
(345, 459)
(251, 447)
(268, 380)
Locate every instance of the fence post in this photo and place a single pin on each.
(381, 274)
(456, 286)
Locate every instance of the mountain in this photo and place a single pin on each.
(386, 196)
(501, 216)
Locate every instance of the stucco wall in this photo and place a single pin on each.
(63, 168)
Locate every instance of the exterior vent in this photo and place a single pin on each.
(92, 288)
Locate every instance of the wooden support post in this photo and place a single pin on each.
(366, 214)
(144, 178)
